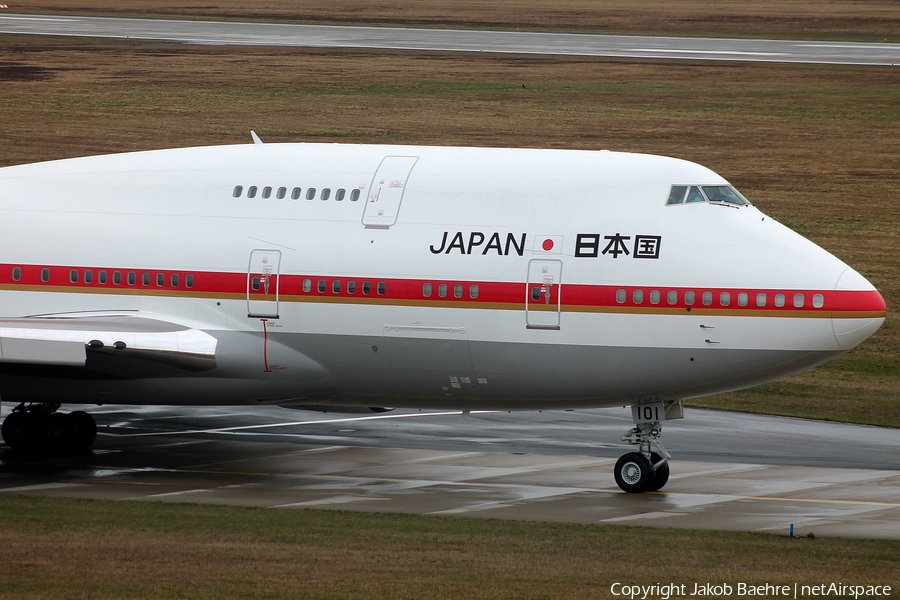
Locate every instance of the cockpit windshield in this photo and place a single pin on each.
(687, 194)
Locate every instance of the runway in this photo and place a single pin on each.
(445, 40)
(730, 471)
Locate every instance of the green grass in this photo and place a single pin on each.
(66, 548)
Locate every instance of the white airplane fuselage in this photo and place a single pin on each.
(459, 278)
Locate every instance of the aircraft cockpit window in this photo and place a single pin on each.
(354, 195)
(295, 193)
(695, 195)
(238, 190)
(676, 194)
(281, 192)
(724, 193)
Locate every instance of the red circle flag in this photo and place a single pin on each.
(547, 245)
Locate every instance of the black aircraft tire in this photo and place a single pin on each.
(633, 473)
(661, 476)
(60, 429)
(85, 429)
(17, 429)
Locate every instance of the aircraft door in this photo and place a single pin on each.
(262, 283)
(543, 294)
(386, 191)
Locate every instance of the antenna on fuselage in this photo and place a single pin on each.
(255, 137)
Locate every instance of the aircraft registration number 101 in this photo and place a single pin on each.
(648, 413)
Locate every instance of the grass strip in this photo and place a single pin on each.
(70, 548)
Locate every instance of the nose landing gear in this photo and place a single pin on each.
(40, 427)
(646, 470)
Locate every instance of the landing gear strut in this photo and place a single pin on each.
(40, 426)
(646, 470)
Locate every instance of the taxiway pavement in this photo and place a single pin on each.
(449, 40)
(730, 471)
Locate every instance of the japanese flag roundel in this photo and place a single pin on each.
(548, 244)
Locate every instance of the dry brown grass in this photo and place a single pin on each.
(875, 20)
(64, 548)
(814, 146)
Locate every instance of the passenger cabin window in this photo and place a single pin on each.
(354, 195)
(251, 191)
(117, 278)
(17, 273)
(351, 287)
(132, 278)
(336, 286)
(295, 193)
(45, 275)
(145, 279)
(326, 193)
(267, 192)
(672, 297)
(426, 290)
(339, 195)
(760, 300)
(238, 190)
(382, 288)
(689, 298)
(818, 300)
(621, 296)
(799, 300)
(442, 290)
(725, 298)
(73, 276)
(707, 298)
(281, 193)
(173, 280)
(160, 280)
(88, 276)
(458, 290)
(366, 287)
(743, 298)
(310, 193)
(321, 286)
(189, 281)
(654, 296)
(101, 277)
(473, 291)
(307, 285)
(637, 296)
(779, 300)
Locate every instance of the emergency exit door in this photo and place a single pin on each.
(543, 294)
(262, 283)
(386, 191)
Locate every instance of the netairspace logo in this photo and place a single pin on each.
(666, 591)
